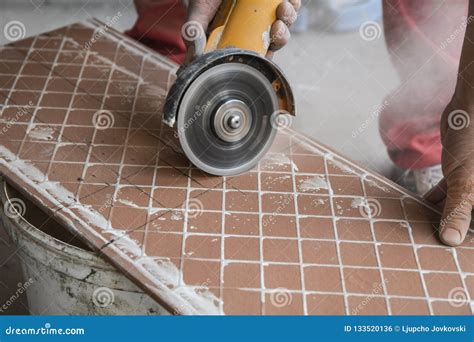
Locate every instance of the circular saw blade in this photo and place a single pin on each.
(213, 90)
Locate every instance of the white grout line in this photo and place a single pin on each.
(43, 91)
(338, 247)
(184, 233)
(223, 235)
(89, 153)
(260, 236)
(418, 264)
(298, 234)
(470, 300)
(375, 245)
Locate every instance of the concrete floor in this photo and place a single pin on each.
(339, 80)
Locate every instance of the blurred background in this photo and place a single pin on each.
(340, 76)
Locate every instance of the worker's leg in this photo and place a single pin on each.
(424, 39)
(159, 26)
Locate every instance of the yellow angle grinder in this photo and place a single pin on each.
(227, 101)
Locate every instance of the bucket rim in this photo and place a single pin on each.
(46, 240)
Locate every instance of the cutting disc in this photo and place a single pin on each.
(225, 119)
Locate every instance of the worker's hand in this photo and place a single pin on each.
(456, 190)
(203, 11)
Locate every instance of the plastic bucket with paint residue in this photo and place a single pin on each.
(62, 276)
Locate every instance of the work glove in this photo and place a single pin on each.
(203, 11)
(456, 191)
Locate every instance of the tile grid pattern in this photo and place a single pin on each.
(257, 199)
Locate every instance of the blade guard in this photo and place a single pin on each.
(189, 73)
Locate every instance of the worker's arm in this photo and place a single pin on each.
(203, 11)
(456, 191)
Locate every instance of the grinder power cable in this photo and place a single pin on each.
(227, 103)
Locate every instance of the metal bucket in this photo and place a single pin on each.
(62, 275)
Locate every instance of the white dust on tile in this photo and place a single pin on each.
(154, 91)
(359, 202)
(129, 203)
(374, 184)
(344, 167)
(277, 160)
(314, 183)
(41, 133)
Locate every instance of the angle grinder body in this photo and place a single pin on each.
(225, 104)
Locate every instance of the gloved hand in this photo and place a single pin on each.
(203, 11)
(456, 190)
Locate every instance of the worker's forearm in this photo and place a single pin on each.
(465, 85)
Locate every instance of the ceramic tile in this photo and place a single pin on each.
(392, 256)
(325, 304)
(404, 283)
(297, 235)
(356, 230)
(360, 305)
(359, 280)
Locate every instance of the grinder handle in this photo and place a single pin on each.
(243, 24)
